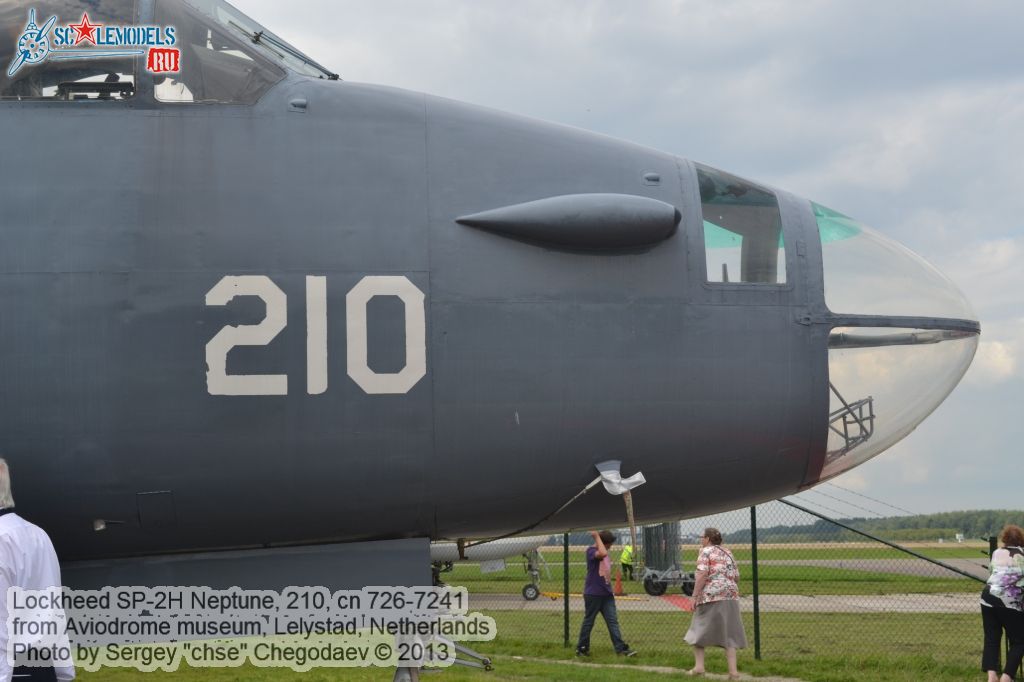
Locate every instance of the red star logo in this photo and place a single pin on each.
(85, 30)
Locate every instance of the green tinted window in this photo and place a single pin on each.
(742, 230)
(833, 225)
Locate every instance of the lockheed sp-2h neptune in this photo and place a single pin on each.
(259, 322)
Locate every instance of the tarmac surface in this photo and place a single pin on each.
(908, 566)
(656, 669)
(960, 602)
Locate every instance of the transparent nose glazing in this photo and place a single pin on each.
(884, 380)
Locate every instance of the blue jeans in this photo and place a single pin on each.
(606, 607)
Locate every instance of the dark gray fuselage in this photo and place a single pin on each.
(118, 219)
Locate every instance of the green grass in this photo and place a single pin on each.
(825, 647)
(878, 551)
(816, 647)
(807, 580)
(855, 550)
(506, 669)
(811, 647)
(815, 580)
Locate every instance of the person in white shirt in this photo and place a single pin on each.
(27, 560)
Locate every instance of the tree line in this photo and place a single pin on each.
(973, 525)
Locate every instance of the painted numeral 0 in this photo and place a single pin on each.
(219, 382)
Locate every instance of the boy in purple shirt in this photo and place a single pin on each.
(598, 596)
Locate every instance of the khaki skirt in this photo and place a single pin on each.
(717, 623)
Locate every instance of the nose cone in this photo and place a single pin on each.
(904, 337)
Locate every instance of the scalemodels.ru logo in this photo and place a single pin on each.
(86, 40)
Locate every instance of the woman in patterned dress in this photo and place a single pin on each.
(716, 615)
(1002, 606)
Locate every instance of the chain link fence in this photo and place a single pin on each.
(823, 590)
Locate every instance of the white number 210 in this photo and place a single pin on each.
(219, 382)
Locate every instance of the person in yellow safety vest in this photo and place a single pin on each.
(626, 559)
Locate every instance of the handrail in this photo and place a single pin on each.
(851, 414)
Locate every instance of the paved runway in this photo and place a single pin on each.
(770, 603)
(663, 670)
(908, 566)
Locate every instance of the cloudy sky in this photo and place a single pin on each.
(907, 115)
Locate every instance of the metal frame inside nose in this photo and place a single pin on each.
(854, 421)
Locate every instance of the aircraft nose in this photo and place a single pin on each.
(903, 336)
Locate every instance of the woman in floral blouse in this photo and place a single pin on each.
(716, 615)
(1002, 606)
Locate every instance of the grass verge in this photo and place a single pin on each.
(811, 647)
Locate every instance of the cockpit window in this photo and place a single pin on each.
(68, 50)
(216, 66)
(238, 24)
(742, 230)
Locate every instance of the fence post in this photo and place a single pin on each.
(757, 597)
(565, 585)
